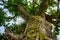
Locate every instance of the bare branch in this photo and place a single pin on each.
(12, 36)
(43, 7)
(25, 15)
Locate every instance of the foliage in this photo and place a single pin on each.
(2, 17)
(17, 29)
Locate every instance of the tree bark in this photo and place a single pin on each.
(25, 15)
(39, 29)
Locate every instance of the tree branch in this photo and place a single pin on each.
(25, 15)
(43, 7)
(12, 36)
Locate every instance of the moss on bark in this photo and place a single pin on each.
(34, 30)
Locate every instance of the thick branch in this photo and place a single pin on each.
(43, 7)
(12, 36)
(24, 13)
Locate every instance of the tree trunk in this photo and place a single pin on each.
(38, 29)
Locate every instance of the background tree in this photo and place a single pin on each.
(37, 25)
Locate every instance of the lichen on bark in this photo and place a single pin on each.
(37, 29)
(34, 30)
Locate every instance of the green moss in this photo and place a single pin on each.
(33, 30)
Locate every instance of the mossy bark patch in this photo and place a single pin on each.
(33, 31)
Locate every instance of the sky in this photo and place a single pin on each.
(19, 20)
(2, 29)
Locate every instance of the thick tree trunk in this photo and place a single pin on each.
(38, 29)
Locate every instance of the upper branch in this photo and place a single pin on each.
(25, 15)
(43, 7)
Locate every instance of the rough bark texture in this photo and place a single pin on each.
(38, 29)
